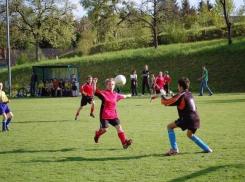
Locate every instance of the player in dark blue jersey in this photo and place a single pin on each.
(188, 117)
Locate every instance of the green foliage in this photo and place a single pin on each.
(179, 59)
(45, 146)
(22, 59)
(175, 33)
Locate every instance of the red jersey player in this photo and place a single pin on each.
(159, 82)
(108, 113)
(87, 96)
(167, 80)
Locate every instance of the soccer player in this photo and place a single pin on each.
(108, 113)
(87, 96)
(167, 80)
(159, 82)
(4, 109)
(188, 117)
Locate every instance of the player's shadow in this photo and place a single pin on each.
(194, 175)
(19, 151)
(81, 159)
(222, 101)
(102, 149)
(42, 121)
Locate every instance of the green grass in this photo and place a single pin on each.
(46, 143)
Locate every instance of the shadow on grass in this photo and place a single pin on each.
(81, 159)
(204, 172)
(19, 151)
(42, 121)
(222, 101)
(102, 149)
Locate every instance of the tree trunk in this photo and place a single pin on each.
(155, 24)
(37, 52)
(229, 34)
(155, 38)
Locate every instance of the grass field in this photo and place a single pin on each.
(46, 143)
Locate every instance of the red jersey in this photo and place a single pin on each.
(56, 84)
(88, 89)
(160, 82)
(109, 102)
(167, 79)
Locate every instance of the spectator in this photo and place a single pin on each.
(40, 88)
(145, 80)
(46, 88)
(55, 86)
(74, 85)
(62, 87)
(159, 82)
(153, 79)
(15, 93)
(204, 81)
(134, 84)
(119, 89)
(33, 83)
(167, 80)
(51, 87)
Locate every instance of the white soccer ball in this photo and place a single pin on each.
(120, 80)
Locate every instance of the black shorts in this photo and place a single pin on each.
(86, 100)
(104, 123)
(184, 124)
(74, 87)
(157, 91)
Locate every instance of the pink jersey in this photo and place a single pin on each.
(88, 89)
(159, 82)
(109, 102)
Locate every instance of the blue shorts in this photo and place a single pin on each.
(4, 108)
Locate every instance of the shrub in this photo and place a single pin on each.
(22, 59)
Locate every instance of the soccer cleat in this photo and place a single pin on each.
(76, 117)
(127, 143)
(142, 95)
(92, 115)
(172, 152)
(209, 151)
(210, 94)
(7, 128)
(96, 138)
(150, 100)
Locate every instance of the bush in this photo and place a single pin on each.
(22, 59)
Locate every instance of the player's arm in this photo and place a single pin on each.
(126, 96)
(94, 85)
(174, 101)
(203, 76)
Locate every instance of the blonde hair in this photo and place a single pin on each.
(109, 80)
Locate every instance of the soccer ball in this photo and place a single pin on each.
(120, 80)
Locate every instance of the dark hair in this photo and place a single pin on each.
(184, 82)
(133, 71)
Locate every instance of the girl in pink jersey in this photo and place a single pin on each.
(108, 113)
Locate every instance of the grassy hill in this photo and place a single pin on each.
(225, 63)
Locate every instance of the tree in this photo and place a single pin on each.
(226, 7)
(188, 13)
(149, 12)
(49, 20)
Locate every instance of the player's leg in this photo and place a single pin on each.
(171, 135)
(207, 88)
(92, 109)
(4, 122)
(121, 134)
(10, 116)
(155, 96)
(103, 128)
(78, 112)
(201, 89)
(143, 88)
(198, 141)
